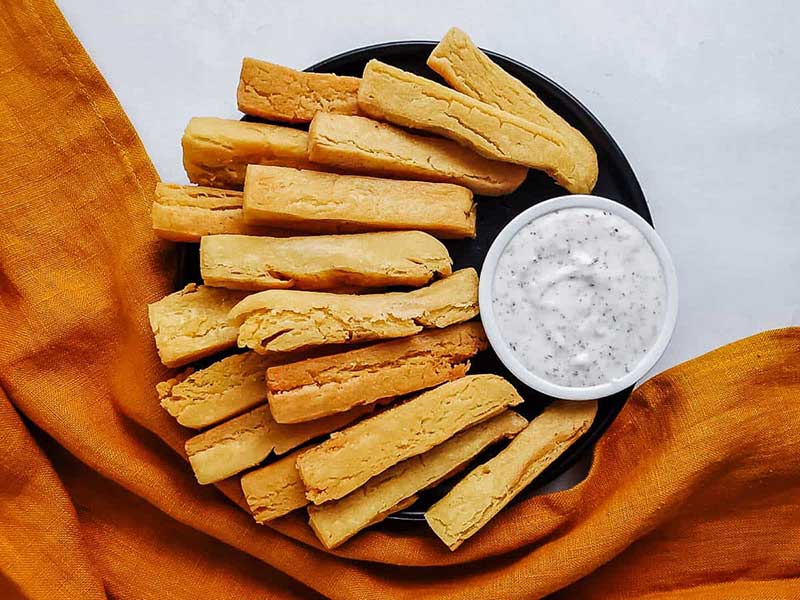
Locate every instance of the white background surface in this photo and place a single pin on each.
(704, 99)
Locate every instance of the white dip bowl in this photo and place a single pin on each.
(511, 360)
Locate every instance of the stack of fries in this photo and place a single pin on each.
(350, 398)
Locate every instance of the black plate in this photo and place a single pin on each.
(616, 181)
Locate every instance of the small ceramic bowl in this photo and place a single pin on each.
(504, 352)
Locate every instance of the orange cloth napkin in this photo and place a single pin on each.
(694, 491)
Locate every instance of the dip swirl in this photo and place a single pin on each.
(579, 296)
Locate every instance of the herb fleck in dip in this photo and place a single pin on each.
(579, 296)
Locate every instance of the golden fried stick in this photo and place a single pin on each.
(222, 390)
(185, 213)
(317, 387)
(274, 490)
(467, 69)
(287, 320)
(282, 94)
(360, 145)
(192, 323)
(216, 152)
(323, 262)
(316, 202)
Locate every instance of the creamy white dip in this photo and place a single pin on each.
(579, 296)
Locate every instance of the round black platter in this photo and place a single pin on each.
(616, 181)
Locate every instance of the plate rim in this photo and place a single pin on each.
(585, 119)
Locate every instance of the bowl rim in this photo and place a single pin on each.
(509, 358)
